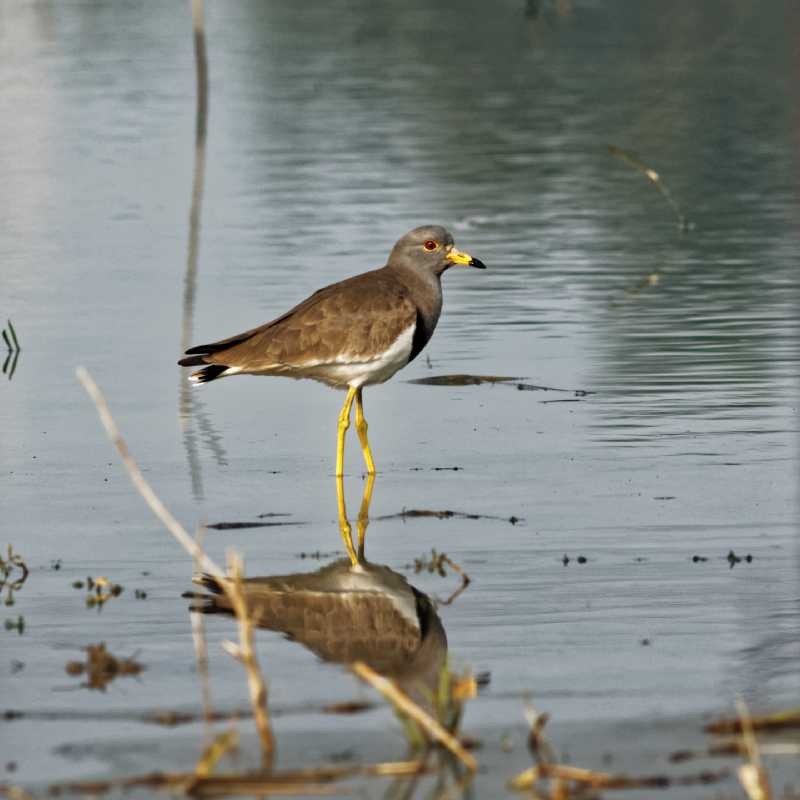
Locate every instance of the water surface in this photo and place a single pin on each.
(331, 133)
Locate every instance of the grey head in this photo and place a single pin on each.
(429, 249)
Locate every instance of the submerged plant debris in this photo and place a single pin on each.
(100, 589)
(416, 513)
(501, 380)
(101, 667)
(12, 350)
(235, 526)
(17, 625)
(733, 559)
(463, 380)
(788, 719)
(437, 563)
(550, 777)
(11, 564)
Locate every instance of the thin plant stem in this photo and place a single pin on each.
(403, 703)
(233, 588)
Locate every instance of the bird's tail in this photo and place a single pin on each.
(208, 373)
(214, 603)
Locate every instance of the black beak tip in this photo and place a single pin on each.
(476, 262)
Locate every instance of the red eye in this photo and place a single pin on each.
(430, 245)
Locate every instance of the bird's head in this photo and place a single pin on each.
(430, 249)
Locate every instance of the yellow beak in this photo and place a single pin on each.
(460, 257)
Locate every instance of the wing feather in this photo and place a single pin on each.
(353, 321)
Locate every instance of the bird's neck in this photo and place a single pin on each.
(425, 290)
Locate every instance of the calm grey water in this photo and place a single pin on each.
(332, 130)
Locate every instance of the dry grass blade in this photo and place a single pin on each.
(403, 703)
(654, 178)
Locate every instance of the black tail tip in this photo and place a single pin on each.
(208, 582)
(208, 373)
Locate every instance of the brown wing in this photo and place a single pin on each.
(354, 319)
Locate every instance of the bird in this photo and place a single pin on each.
(370, 614)
(350, 334)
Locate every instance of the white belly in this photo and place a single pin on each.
(347, 371)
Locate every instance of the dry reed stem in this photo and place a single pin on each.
(403, 703)
(654, 178)
(222, 744)
(790, 718)
(565, 779)
(245, 653)
(201, 647)
(593, 779)
(302, 781)
(232, 588)
(15, 793)
(752, 774)
(201, 66)
(140, 484)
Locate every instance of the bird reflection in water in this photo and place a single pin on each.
(350, 610)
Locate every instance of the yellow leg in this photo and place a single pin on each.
(344, 424)
(344, 525)
(363, 515)
(361, 428)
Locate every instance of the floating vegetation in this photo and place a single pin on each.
(100, 590)
(235, 526)
(173, 718)
(263, 783)
(648, 282)
(12, 563)
(348, 707)
(462, 380)
(477, 380)
(788, 719)
(733, 559)
(12, 350)
(532, 387)
(417, 513)
(17, 625)
(437, 562)
(318, 555)
(101, 667)
(684, 224)
(551, 778)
